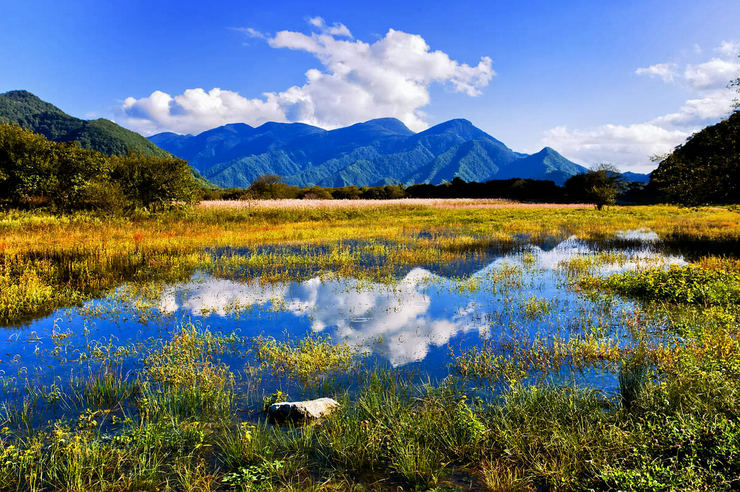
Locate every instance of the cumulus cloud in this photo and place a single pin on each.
(696, 112)
(630, 147)
(357, 81)
(712, 74)
(665, 71)
(196, 110)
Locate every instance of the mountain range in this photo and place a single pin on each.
(33, 113)
(376, 152)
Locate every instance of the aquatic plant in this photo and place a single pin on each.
(307, 359)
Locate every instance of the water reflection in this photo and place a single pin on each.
(404, 321)
(413, 323)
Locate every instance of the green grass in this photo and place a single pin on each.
(186, 421)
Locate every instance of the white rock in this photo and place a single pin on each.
(302, 410)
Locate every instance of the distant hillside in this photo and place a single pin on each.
(636, 177)
(376, 152)
(102, 135)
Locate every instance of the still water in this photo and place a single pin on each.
(415, 323)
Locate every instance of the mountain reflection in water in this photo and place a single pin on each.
(403, 320)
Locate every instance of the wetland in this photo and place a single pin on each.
(470, 347)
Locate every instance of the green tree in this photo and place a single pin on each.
(26, 164)
(271, 186)
(316, 193)
(82, 180)
(155, 183)
(600, 186)
(34, 170)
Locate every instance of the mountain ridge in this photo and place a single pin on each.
(33, 113)
(374, 152)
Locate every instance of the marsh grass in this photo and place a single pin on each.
(185, 420)
(49, 261)
(105, 390)
(308, 360)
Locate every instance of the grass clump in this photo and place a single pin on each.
(183, 381)
(688, 284)
(307, 360)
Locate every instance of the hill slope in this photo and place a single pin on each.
(102, 135)
(706, 169)
(375, 152)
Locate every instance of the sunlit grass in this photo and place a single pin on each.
(503, 419)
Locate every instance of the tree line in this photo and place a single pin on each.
(602, 186)
(35, 171)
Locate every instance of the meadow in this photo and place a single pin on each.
(473, 345)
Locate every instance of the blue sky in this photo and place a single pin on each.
(598, 81)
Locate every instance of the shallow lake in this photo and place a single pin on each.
(415, 323)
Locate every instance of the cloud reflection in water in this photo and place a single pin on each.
(401, 321)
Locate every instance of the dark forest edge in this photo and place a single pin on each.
(36, 172)
(582, 188)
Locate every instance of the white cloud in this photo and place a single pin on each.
(335, 29)
(729, 48)
(630, 147)
(357, 81)
(665, 71)
(697, 112)
(252, 33)
(712, 74)
(196, 110)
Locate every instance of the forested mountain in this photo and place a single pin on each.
(706, 169)
(34, 114)
(376, 152)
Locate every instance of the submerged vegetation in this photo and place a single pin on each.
(184, 409)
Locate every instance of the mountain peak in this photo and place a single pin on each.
(278, 124)
(24, 102)
(459, 129)
(238, 126)
(454, 124)
(20, 94)
(548, 151)
(458, 126)
(393, 125)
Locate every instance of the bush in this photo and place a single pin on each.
(680, 284)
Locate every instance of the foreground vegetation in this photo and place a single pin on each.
(189, 421)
